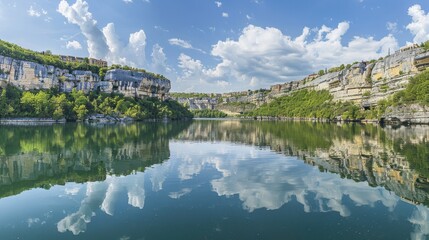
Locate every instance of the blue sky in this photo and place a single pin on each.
(218, 46)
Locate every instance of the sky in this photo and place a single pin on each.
(218, 46)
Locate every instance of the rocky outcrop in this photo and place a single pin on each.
(409, 114)
(137, 84)
(29, 76)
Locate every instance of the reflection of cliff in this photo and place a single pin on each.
(47, 155)
(396, 159)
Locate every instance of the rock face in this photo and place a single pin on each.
(362, 83)
(29, 75)
(137, 84)
(412, 114)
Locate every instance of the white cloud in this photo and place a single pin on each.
(218, 4)
(225, 15)
(128, 1)
(38, 12)
(33, 13)
(392, 27)
(182, 43)
(105, 44)
(79, 14)
(419, 26)
(160, 28)
(222, 83)
(159, 60)
(248, 17)
(264, 56)
(73, 45)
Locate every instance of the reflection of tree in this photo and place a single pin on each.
(43, 156)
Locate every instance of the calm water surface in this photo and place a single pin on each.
(214, 180)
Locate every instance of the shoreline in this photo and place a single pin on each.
(389, 121)
(22, 121)
(112, 120)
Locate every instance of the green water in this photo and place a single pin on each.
(214, 179)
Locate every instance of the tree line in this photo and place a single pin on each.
(77, 105)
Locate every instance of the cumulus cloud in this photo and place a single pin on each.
(128, 1)
(218, 4)
(264, 56)
(73, 45)
(225, 15)
(419, 26)
(79, 14)
(104, 43)
(159, 60)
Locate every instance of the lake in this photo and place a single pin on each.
(214, 179)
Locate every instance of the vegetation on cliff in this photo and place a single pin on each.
(417, 91)
(77, 105)
(190, 95)
(309, 104)
(207, 113)
(236, 107)
(46, 58)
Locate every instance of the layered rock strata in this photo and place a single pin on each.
(31, 76)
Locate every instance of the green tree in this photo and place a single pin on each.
(81, 111)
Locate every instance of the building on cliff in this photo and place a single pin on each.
(30, 76)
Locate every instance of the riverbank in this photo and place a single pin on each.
(392, 120)
(30, 121)
(94, 119)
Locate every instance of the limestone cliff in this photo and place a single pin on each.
(365, 85)
(137, 84)
(29, 76)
